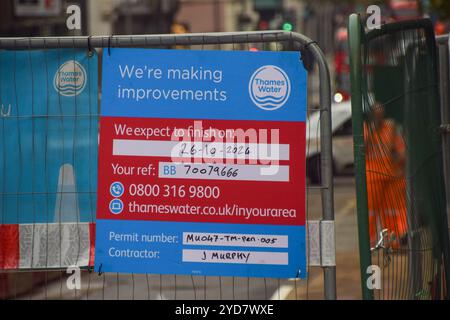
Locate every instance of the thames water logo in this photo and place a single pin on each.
(70, 78)
(269, 88)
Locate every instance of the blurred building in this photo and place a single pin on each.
(98, 17)
(37, 17)
(157, 16)
(105, 17)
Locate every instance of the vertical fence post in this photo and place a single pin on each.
(444, 69)
(326, 165)
(327, 168)
(444, 89)
(355, 43)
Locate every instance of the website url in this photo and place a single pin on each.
(226, 210)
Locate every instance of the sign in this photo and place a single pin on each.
(35, 8)
(202, 163)
(48, 157)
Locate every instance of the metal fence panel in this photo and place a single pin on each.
(444, 85)
(49, 281)
(401, 205)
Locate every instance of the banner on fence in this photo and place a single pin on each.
(48, 159)
(202, 163)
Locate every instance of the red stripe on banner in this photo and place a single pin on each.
(9, 246)
(92, 244)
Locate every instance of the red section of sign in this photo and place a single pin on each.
(9, 248)
(255, 202)
(92, 243)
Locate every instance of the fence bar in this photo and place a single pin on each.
(444, 89)
(355, 38)
(326, 160)
(123, 41)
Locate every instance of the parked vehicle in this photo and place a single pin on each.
(343, 160)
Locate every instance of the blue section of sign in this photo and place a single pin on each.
(233, 85)
(48, 136)
(141, 246)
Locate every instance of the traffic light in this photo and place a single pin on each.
(289, 21)
(267, 10)
(287, 26)
(263, 25)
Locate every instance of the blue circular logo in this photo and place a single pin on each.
(269, 87)
(116, 206)
(70, 79)
(116, 189)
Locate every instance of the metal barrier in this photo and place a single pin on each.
(398, 159)
(444, 84)
(184, 287)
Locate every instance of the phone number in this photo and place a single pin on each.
(154, 190)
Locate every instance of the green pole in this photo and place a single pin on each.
(355, 43)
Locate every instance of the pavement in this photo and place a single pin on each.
(347, 257)
(128, 286)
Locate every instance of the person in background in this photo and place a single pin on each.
(386, 186)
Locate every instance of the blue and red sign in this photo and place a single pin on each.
(48, 158)
(202, 163)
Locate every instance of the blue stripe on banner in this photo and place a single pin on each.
(231, 85)
(141, 246)
(49, 137)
